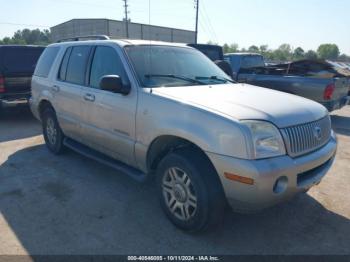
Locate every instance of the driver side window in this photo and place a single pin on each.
(106, 61)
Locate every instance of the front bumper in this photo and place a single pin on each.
(296, 175)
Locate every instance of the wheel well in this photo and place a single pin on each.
(163, 145)
(43, 105)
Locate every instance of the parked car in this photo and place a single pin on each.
(314, 80)
(213, 52)
(17, 64)
(164, 110)
(343, 69)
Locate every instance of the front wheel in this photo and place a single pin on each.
(190, 192)
(53, 134)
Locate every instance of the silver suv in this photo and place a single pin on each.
(155, 109)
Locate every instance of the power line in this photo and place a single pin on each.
(204, 29)
(31, 25)
(209, 22)
(207, 27)
(84, 3)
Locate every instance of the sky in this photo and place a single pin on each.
(304, 23)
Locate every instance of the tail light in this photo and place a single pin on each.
(328, 92)
(2, 84)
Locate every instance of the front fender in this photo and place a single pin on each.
(159, 116)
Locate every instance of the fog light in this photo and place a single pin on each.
(280, 185)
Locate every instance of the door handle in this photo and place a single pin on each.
(56, 88)
(89, 97)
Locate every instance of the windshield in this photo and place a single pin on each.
(159, 66)
(252, 61)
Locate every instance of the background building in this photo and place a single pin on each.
(117, 29)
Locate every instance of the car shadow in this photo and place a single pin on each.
(341, 124)
(68, 204)
(18, 123)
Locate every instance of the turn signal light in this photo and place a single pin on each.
(241, 179)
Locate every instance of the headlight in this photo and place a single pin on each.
(266, 139)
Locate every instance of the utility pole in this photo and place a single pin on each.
(126, 17)
(197, 9)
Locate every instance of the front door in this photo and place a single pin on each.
(109, 118)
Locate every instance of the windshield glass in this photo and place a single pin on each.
(252, 61)
(158, 66)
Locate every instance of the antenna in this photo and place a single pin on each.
(126, 17)
(196, 5)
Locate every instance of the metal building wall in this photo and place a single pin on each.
(117, 29)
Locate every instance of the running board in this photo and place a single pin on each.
(108, 161)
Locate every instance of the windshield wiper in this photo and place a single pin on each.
(188, 79)
(222, 79)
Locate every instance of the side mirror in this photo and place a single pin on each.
(113, 83)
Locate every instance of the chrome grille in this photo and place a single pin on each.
(305, 138)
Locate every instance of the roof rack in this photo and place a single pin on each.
(84, 38)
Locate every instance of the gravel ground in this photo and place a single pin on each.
(72, 205)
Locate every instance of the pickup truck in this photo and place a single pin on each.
(314, 80)
(216, 54)
(165, 111)
(17, 64)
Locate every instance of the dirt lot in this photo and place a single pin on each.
(71, 205)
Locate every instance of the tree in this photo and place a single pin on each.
(212, 43)
(312, 55)
(226, 48)
(263, 49)
(328, 51)
(234, 48)
(344, 58)
(283, 53)
(28, 37)
(298, 53)
(253, 49)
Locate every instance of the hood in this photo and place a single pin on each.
(242, 101)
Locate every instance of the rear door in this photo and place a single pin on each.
(67, 89)
(109, 118)
(18, 63)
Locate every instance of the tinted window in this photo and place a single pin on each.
(106, 62)
(45, 62)
(21, 59)
(252, 61)
(77, 65)
(213, 52)
(64, 64)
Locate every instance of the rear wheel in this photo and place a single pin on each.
(53, 134)
(190, 192)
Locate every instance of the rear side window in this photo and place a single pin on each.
(21, 59)
(106, 62)
(77, 63)
(252, 61)
(45, 62)
(63, 68)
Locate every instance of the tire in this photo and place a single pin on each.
(190, 191)
(53, 134)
